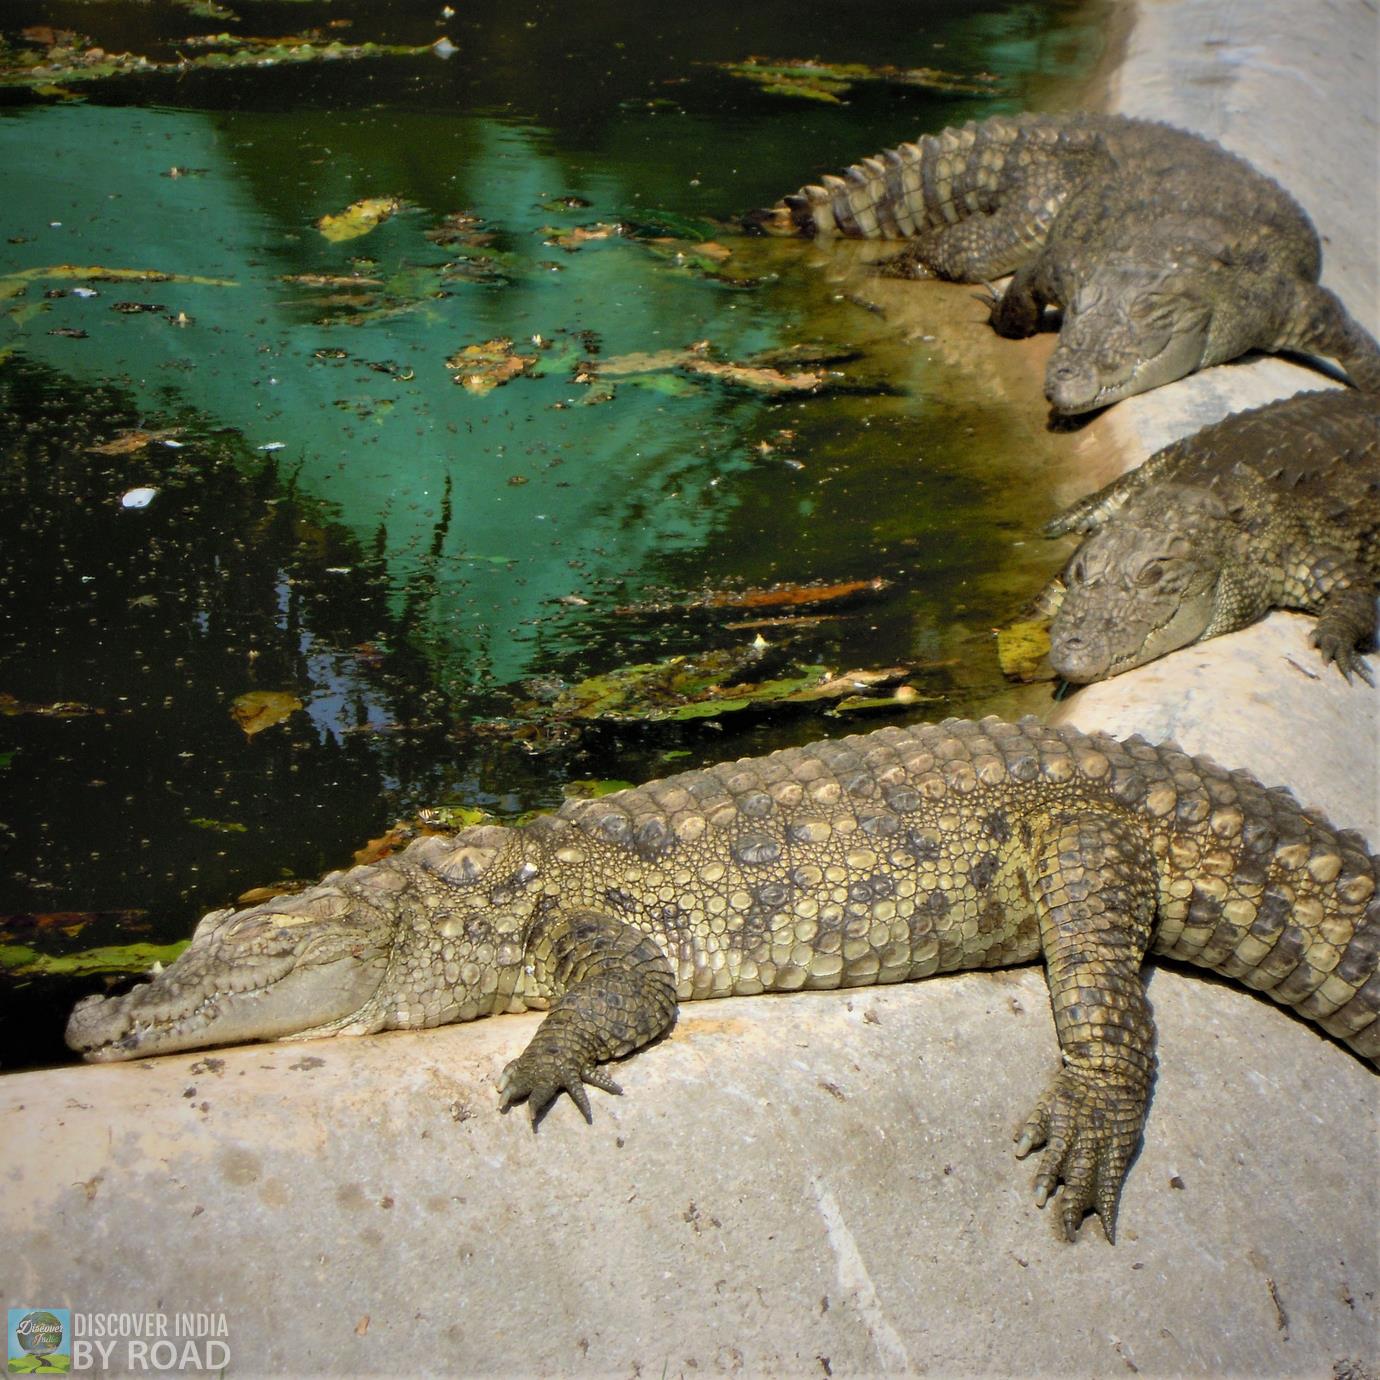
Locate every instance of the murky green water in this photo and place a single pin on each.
(338, 520)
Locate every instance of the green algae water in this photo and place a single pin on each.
(309, 524)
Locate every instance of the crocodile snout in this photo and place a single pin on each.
(1077, 659)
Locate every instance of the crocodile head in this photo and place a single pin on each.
(1143, 585)
(429, 935)
(302, 965)
(1127, 328)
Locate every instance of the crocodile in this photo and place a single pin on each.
(1165, 252)
(1278, 507)
(877, 858)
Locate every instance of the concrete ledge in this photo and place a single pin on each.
(805, 1185)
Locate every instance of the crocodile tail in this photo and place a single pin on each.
(938, 180)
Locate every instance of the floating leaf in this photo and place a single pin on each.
(1022, 649)
(592, 790)
(759, 374)
(902, 697)
(329, 280)
(64, 56)
(829, 81)
(782, 595)
(572, 237)
(219, 826)
(22, 961)
(261, 709)
(99, 273)
(359, 218)
(707, 685)
(652, 225)
(59, 709)
(790, 595)
(128, 442)
(482, 368)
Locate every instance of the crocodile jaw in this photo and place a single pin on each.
(1074, 385)
(238, 982)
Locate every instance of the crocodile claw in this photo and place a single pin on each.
(1338, 649)
(540, 1075)
(1088, 1128)
(990, 298)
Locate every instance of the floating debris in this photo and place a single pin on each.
(130, 442)
(460, 229)
(261, 709)
(11, 707)
(1023, 651)
(482, 368)
(359, 218)
(111, 960)
(570, 238)
(709, 684)
(58, 56)
(829, 82)
(758, 373)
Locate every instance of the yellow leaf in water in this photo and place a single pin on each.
(1022, 649)
(359, 218)
(261, 709)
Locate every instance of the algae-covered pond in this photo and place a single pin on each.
(370, 410)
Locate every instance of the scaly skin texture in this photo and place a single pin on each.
(1165, 252)
(877, 858)
(1278, 507)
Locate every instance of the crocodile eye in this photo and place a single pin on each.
(1078, 572)
(1151, 573)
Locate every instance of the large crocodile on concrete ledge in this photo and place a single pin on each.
(1278, 507)
(870, 859)
(1165, 252)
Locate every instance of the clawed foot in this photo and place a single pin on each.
(539, 1075)
(1089, 1129)
(1338, 648)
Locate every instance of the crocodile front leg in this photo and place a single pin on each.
(1346, 623)
(614, 991)
(1329, 583)
(1094, 889)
